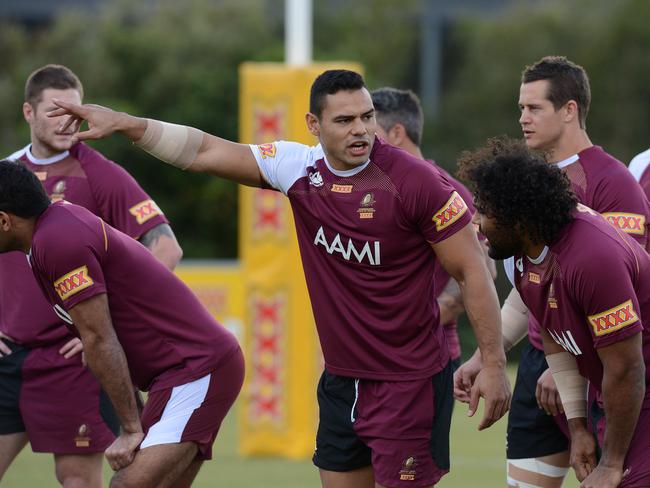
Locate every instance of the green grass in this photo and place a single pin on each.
(478, 460)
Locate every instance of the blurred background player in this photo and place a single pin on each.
(399, 122)
(370, 220)
(47, 395)
(639, 168)
(554, 100)
(139, 324)
(588, 284)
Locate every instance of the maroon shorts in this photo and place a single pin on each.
(636, 460)
(193, 412)
(63, 407)
(401, 428)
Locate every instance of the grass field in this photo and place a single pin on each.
(477, 461)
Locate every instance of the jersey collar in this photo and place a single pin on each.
(42, 162)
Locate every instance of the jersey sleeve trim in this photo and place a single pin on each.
(509, 268)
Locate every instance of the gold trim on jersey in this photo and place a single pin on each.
(613, 319)
(145, 210)
(73, 282)
(630, 223)
(450, 212)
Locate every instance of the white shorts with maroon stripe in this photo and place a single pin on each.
(193, 412)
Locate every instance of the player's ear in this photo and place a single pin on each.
(313, 125)
(398, 134)
(28, 112)
(5, 221)
(570, 111)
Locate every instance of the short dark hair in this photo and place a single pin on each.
(21, 192)
(519, 188)
(394, 106)
(50, 76)
(330, 82)
(567, 81)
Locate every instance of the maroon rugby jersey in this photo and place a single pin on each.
(639, 169)
(84, 177)
(441, 277)
(365, 240)
(168, 336)
(589, 289)
(603, 183)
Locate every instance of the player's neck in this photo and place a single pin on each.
(568, 145)
(533, 249)
(24, 232)
(412, 149)
(42, 151)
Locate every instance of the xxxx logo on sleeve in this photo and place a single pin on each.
(613, 319)
(73, 282)
(450, 211)
(629, 223)
(144, 211)
(267, 150)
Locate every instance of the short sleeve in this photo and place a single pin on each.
(432, 204)
(122, 202)
(283, 162)
(509, 268)
(602, 283)
(70, 265)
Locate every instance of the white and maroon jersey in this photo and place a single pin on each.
(84, 177)
(639, 169)
(602, 183)
(365, 240)
(589, 289)
(168, 336)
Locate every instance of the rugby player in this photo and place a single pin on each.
(371, 222)
(46, 393)
(554, 99)
(587, 283)
(399, 122)
(139, 325)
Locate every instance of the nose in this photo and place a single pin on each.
(524, 117)
(358, 127)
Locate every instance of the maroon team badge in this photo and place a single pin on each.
(407, 473)
(83, 438)
(367, 203)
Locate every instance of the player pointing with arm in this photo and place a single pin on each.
(371, 223)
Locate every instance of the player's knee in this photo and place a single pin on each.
(534, 473)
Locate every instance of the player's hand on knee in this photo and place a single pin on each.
(603, 477)
(548, 398)
(122, 451)
(491, 384)
(465, 376)
(72, 347)
(583, 453)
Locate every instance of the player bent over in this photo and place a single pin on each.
(587, 283)
(139, 325)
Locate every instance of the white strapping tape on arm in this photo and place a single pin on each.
(514, 320)
(571, 386)
(174, 144)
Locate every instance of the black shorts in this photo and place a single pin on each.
(11, 421)
(531, 431)
(400, 428)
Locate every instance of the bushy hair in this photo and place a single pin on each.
(21, 192)
(50, 76)
(393, 106)
(331, 82)
(519, 188)
(567, 81)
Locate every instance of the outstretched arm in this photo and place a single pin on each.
(181, 146)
